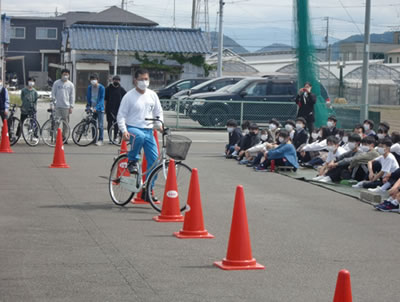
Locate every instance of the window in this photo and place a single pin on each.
(17, 32)
(183, 85)
(46, 33)
(281, 89)
(398, 59)
(257, 89)
(390, 60)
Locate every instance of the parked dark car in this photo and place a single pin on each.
(184, 84)
(261, 99)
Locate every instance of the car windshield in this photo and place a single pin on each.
(239, 86)
(204, 84)
(172, 84)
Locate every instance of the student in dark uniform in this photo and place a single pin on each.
(306, 100)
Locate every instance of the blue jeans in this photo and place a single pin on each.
(100, 124)
(143, 138)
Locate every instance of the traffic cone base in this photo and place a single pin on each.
(59, 166)
(232, 265)
(193, 234)
(168, 218)
(5, 139)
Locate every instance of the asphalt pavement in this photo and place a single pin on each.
(62, 239)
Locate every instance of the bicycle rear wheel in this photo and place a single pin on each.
(115, 135)
(14, 131)
(84, 134)
(157, 181)
(49, 131)
(119, 195)
(31, 131)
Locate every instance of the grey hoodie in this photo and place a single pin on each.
(63, 94)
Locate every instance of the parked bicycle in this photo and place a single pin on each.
(31, 128)
(85, 132)
(123, 185)
(13, 123)
(49, 128)
(114, 134)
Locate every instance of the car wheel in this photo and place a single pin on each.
(203, 122)
(217, 117)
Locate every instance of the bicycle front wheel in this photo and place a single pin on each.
(31, 131)
(115, 135)
(155, 185)
(84, 134)
(14, 131)
(49, 131)
(119, 195)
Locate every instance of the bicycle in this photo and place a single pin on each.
(123, 185)
(13, 124)
(114, 134)
(85, 132)
(49, 128)
(31, 128)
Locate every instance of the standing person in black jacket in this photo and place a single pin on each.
(113, 97)
(306, 100)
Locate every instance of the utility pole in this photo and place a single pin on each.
(194, 14)
(327, 37)
(220, 38)
(173, 25)
(365, 69)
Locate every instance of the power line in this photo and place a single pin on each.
(348, 14)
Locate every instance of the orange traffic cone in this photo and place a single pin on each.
(170, 211)
(239, 255)
(5, 139)
(124, 147)
(343, 287)
(59, 157)
(193, 224)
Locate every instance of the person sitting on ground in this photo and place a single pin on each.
(391, 204)
(383, 130)
(251, 139)
(359, 164)
(283, 155)
(345, 140)
(313, 154)
(331, 126)
(267, 144)
(359, 129)
(300, 136)
(339, 135)
(339, 168)
(264, 144)
(395, 149)
(274, 126)
(381, 168)
(245, 130)
(334, 152)
(369, 128)
(234, 136)
(290, 125)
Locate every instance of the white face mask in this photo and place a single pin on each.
(351, 146)
(272, 127)
(65, 78)
(281, 139)
(31, 84)
(93, 82)
(246, 131)
(264, 137)
(330, 148)
(329, 124)
(314, 135)
(299, 126)
(381, 135)
(142, 85)
(364, 148)
(381, 150)
(366, 127)
(289, 128)
(345, 139)
(230, 129)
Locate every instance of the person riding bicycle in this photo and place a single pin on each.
(136, 106)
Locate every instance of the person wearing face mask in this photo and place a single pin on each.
(306, 100)
(395, 148)
(359, 164)
(334, 152)
(369, 128)
(95, 100)
(63, 96)
(383, 130)
(234, 136)
(249, 140)
(290, 126)
(359, 129)
(138, 104)
(331, 127)
(4, 101)
(274, 128)
(300, 136)
(338, 169)
(283, 155)
(380, 169)
(112, 100)
(29, 97)
(245, 130)
(252, 153)
(313, 154)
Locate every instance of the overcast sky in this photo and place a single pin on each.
(346, 16)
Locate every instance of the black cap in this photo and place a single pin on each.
(301, 119)
(116, 78)
(385, 125)
(290, 122)
(275, 121)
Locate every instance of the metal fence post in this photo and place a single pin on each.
(177, 113)
(241, 113)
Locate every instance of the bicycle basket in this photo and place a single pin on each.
(178, 146)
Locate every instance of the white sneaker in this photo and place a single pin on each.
(318, 177)
(358, 185)
(99, 143)
(378, 189)
(326, 179)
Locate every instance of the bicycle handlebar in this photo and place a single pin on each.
(157, 119)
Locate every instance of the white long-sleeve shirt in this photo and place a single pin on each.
(315, 146)
(136, 107)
